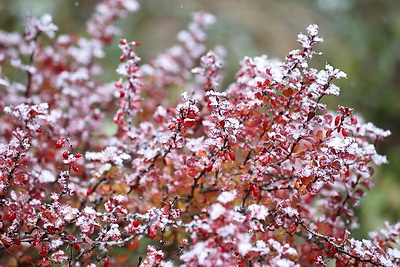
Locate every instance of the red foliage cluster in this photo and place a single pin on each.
(260, 172)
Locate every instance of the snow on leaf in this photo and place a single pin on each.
(153, 257)
(130, 5)
(227, 196)
(226, 230)
(69, 213)
(113, 233)
(56, 243)
(59, 257)
(312, 29)
(110, 154)
(216, 210)
(340, 144)
(257, 211)
(291, 212)
(394, 253)
(46, 177)
(244, 245)
(36, 26)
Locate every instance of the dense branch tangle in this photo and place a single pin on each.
(256, 173)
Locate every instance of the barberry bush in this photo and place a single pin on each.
(256, 174)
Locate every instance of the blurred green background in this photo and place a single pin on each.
(362, 37)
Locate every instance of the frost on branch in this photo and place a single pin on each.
(172, 69)
(256, 173)
(101, 26)
(36, 26)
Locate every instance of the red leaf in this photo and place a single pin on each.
(288, 92)
(310, 116)
(232, 155)
(338, 119)
(43, 251)
(188, 122)
(90, 191)
(36, 242)
(71, 238)
(208, 167)
(12, 217)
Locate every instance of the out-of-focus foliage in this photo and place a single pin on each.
(364, 41)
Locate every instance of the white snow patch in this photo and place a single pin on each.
(226, 197)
